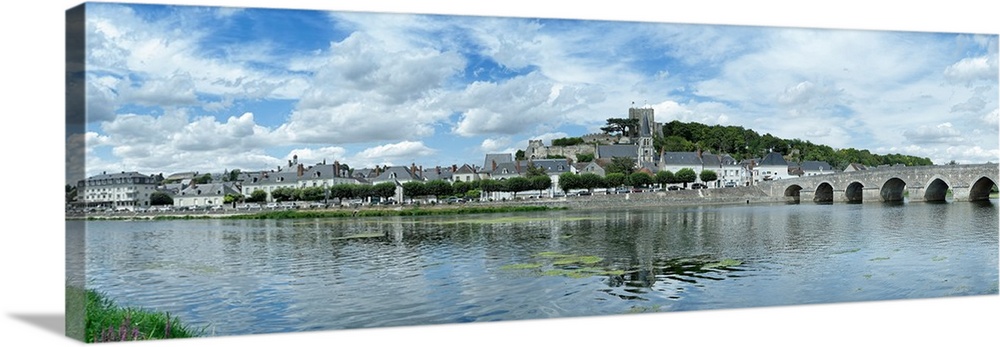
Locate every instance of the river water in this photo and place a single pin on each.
(252, 276)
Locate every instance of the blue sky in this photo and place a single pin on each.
(177, 88)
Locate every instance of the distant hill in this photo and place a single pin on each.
(744, 143)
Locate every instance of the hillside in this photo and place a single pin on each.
(744, 143)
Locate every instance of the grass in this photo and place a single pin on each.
(417, 211)
(106, 321)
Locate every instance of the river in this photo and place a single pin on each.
(265, 276)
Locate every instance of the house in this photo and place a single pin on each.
(553, 168)
(296, 175)
(676, 161)
(589, 167)
(772, 167)
(120, 191)
(610, 152)
(731, 173)
(812, 168)
(205, 195)
(465, 173)
(855, 167)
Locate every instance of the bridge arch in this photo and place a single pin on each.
(824, 193)
(936, 189)
(854, 192)
(892, 189)
(792, 193)
(981, 189)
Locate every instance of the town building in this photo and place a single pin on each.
(118, 191)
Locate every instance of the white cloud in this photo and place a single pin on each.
(401, 153)
(492, 145)
(365, 92)
(970, 70)
(992, 118)
(310, 156)
(520, 104)
(941, 133)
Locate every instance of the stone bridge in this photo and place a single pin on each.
(915, 183)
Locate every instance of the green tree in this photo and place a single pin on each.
(534, 171)
(362, 191)
(567, 141)
(490, 185)
(312, 194)
(231, 198)
(615, 179)
(384, 190)
(203, 179)
(708, 176)
(664, 177)
(590, 180)
(541, 183)
(158, 198)
(413, 189)
(234, 175)
(620, 126)
(519, 155)
(622, 165)
(517, 184)
(569, 181)
(257, 196)
(639, 179)
(342, 191)
(284, 194)
(685, 176)
(438, 188)
(584, 157)
(473, 194)
(459, 188)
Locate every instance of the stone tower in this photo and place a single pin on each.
(648, 127)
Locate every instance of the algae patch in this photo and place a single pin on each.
(723, 264)
(358, 236)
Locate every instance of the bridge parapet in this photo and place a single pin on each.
(918, 183)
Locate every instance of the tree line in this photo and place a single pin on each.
(744, 143)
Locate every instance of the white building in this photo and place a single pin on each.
(125, 190)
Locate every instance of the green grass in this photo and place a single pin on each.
(417, 211)
(106, 321)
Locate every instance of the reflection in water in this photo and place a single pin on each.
(242, 277)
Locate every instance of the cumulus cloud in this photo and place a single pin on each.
(400, 153)
(174, 142)
(941, 133)
(971, 70)
(516, 105)
(366, 92)
(492, 145)
(310, 156)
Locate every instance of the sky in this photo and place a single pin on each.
(193, 88)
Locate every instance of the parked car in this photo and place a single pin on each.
(674, 188)
(730, 184)
(699, 186)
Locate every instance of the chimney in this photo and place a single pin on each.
(301, 170)
(494, 165)
(413, 168)
(295, 158)
(336, 168)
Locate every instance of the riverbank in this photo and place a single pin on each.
(375, 211)
(106, 321)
